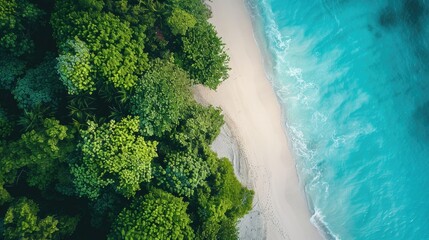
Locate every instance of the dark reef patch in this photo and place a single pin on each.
(413, 12)
(420, 123)
(387, 17)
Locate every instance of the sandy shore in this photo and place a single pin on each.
(253, 115)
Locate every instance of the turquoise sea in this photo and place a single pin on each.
(353, 80)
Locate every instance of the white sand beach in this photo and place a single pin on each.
(264, 161)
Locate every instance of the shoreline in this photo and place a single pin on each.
(254, 117)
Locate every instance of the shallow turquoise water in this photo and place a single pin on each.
(353, 80)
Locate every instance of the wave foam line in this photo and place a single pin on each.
(317, 219)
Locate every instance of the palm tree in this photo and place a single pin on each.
(34, 119)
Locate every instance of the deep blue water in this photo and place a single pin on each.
(353, 79)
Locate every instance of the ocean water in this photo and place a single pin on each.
(353, 79)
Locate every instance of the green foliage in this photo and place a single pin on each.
(204, 56)
(4, 195)
(33, 119)
(157, 215)
(96, 5)
(142, 14)
(113, 154)
(17, 19)
(201, 126)
(228, 230)
(7, 10)
(180, 21)
(10, 69)
(197, 8)
(119, 7)
(52, 134)
(230, 190)
(82, 109)
(21, 222)
(41, 151)
(5, 125)
(106, 208)
(39, 86)
(74, 67)
(45, 151)
(181, 173)
(116, 51)
(222, 203)
(87, 165)
(64, 183)
(7, 165)
(67, 225)
(161, 98)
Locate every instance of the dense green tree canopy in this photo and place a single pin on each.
(97, 113)
(222, 203)
(21, 222)
(157, 215)
(40, 152)
(204, 55)
(5, 125)
(16, 17)
(182, 172)
(44, 151)
(195, 7)
(113, 154)
(180, 21)
(106, 208)
(74, 67)
(200, 126)
(116, 50)
(39, 86)
(10, 69)
(161, 98)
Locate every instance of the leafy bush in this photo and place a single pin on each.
(17, 19)
(21, 222)
(180, 21)
(74, 67)
(116, 52)
(161, 98)
(181, 173)
(157, 215)
(113, 154)
(204, 56)
(10, 69)
(39, 86)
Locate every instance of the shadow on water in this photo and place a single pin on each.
(420, 123)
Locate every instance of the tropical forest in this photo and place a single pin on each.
(100, 134)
